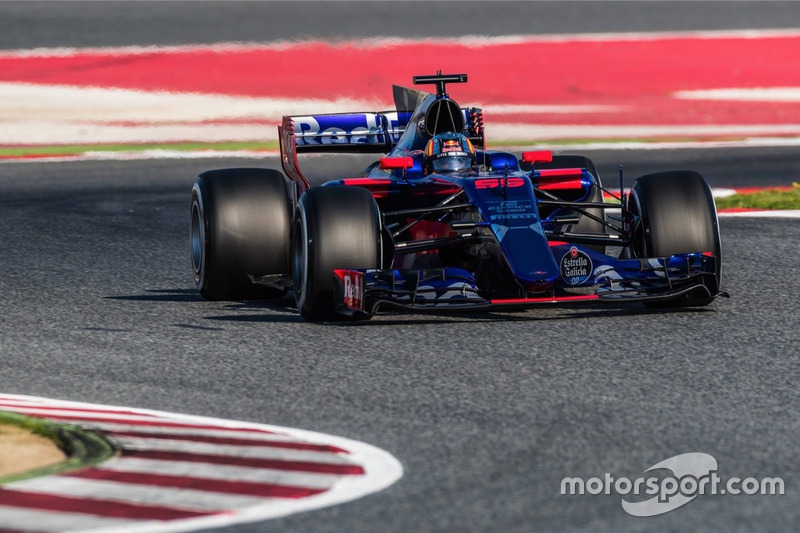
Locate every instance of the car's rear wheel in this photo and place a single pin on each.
(240, 228)
(674, 213)
(336, 227)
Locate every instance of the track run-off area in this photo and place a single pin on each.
(176, 472)
(485, 413)
(732, 85)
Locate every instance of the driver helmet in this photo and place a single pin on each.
(449, 152)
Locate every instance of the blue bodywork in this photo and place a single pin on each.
(511, 246)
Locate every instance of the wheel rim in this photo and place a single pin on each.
(197, 234)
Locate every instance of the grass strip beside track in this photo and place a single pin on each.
(82, 448)
(770, 199)
(79, 149)
(774, 198)
(56, 150)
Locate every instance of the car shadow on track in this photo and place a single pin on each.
(285, 311)
(273, 311)
(282, 310)
(162, 295)
(629, 310)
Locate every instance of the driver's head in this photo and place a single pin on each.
(449, 152)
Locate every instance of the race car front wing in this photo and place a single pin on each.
(443, 289)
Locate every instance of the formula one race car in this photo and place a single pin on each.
(439, 223)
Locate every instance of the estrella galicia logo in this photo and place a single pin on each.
(576, 267)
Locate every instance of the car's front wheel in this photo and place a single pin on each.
(674, 213)
(335, 227)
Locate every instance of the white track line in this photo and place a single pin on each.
(755, 94)
(28, 102)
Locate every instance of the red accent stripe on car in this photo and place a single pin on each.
(560, 185)
(554, 172)
(538, 156)
(366, 181)
(378, 187)
(491, 183)
(554, 299)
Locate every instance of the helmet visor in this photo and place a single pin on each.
(452, 162)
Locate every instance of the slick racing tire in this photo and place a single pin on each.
(673, 213)
(240, 228)
(586, 224)
(336, 227)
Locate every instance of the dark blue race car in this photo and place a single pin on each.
(439, 223)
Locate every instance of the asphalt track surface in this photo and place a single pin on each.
(55, 24)
(486, 412)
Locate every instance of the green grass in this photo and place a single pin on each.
(36, 426)
(767, 199)
(76, 149)
(82, 448)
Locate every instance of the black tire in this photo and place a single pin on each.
(336, 227)
(674, 213)
(586, 224)
(240, 226)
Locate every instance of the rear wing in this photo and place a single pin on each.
(358, 132)
(353, 132)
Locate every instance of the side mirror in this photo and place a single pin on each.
(540, 156)
(396, 163)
